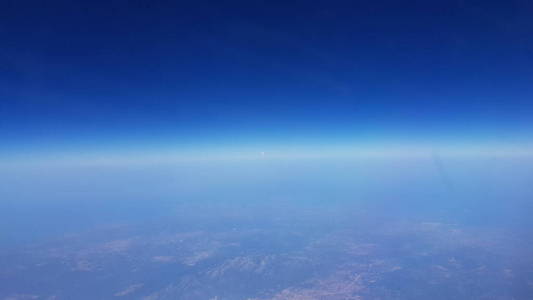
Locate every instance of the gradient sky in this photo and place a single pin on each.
(154, 74)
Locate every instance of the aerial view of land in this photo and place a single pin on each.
(303, 257)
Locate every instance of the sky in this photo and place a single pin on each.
(84, 77)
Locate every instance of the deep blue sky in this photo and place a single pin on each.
(82, 74)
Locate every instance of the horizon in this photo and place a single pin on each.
(266, 150)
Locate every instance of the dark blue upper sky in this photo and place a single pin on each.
(85, 73)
